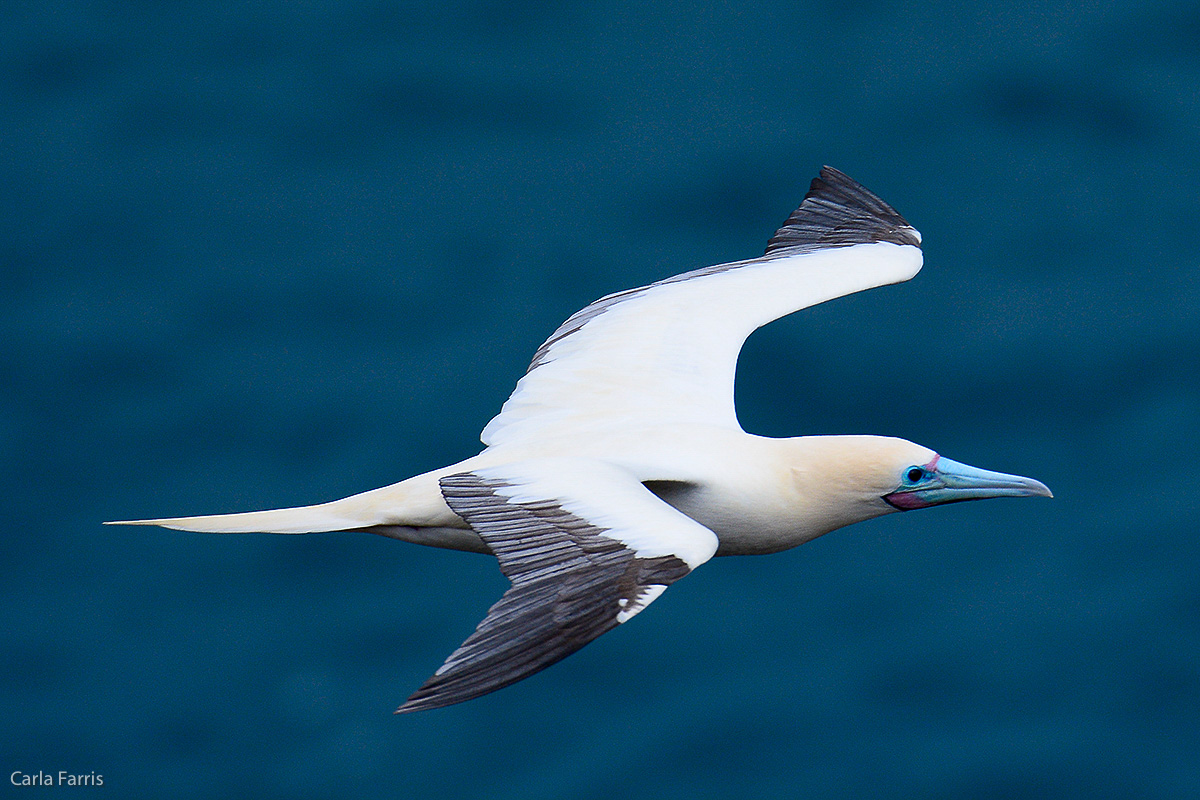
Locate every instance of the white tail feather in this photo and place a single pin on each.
(416, 501)
(306, 519)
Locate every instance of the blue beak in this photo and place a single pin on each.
(947, 481)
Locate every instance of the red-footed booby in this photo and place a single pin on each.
(618, 465)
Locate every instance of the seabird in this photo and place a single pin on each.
(617, 466)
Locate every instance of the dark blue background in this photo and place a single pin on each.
(272, 253)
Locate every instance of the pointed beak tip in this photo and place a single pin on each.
(1030, 487)
(1033, 487)
(964, 482)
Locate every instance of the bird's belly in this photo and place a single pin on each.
(742, 525)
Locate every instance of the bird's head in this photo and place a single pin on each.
(868, 476)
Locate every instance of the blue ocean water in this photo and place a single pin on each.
(266, 254)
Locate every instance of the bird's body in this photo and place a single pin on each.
(617, 465)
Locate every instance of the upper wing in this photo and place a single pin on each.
(667, 352)
(586, 547)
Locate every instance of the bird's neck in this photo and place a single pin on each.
(837, 479)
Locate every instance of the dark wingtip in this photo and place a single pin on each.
(432, 694)
(838, 211)
(408, 707)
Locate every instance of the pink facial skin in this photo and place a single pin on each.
(905, 501)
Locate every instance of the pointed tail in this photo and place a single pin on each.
(416, 501)
(333, 516)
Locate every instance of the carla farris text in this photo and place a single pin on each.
(61, 778)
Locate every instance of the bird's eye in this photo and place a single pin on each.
(914, 474)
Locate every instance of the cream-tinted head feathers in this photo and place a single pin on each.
(866, 467)
(840, 480)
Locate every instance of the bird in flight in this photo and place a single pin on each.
(617, 466)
